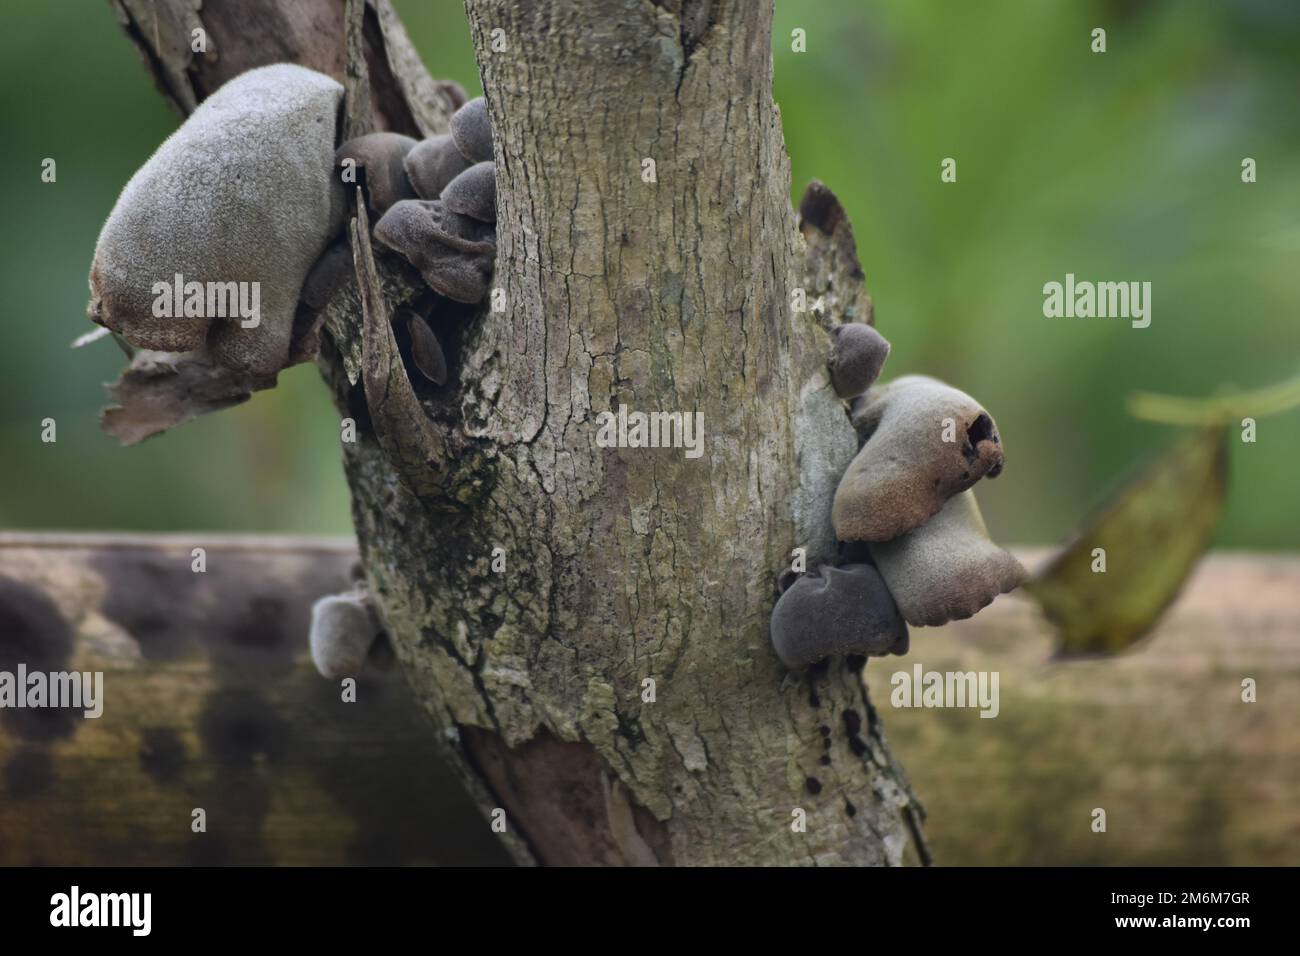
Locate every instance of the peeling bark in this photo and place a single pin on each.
(621, 565)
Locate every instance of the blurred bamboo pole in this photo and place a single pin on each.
(211, 702)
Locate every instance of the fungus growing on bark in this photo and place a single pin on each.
(382, 156)
(924, 442)
(432, 164)
(237, 204)
(472, 131)
(858, 353)
(836, 610)
(947, 569)
(474, 193)
(426, 351)
(454, 253)
(343, 630)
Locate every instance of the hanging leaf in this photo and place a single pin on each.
(1150, 535)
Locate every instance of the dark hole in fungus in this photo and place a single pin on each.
(981, 430)
(824, 730)
(813, 785)
(825, 760)
(850, 809)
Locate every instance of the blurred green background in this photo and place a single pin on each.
(1121, 166)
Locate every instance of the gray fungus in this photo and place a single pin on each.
(858, 353)
(379, 160)
(472, 131)
(454, 253)
(913, 546)
(426, 351)
(432, 164)
(474, 193)
(947, 569)
(245, 203)
(836, 610)
(344, 627)
(252, 165)
(923, 442)
(449, 234)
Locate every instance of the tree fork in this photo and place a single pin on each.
(663, 285)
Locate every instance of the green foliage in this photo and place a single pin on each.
(1122, 165)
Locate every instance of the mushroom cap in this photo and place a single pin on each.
(426, 351)
(905, 470)
(242, 192)
(432, 164)
(473, 193)
(472, 131)
(454, 253)
(382, 156)
(459, 276)
(858, 353)
(413, 223)
(947, 569)
(343, 629)
(836, 610)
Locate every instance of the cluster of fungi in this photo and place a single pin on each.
(913, 548)
(252, 188)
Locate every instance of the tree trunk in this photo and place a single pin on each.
(612, 688)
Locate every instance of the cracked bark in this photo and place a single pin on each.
(621, 564)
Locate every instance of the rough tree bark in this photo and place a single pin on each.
(622, 565)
